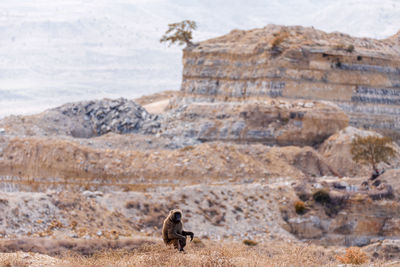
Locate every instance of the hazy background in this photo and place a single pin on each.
(57, 51)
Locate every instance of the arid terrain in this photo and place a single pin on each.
(261, 181)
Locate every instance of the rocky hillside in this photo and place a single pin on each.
(102, 174)
(201, 141)
(243, 159)
(361, 75)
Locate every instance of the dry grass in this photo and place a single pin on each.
(213, 254)
(348, 48)
(354, 255)
(54, 247)
(13, 261)
(198, 253)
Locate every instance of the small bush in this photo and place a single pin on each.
(300, 207)
(354, 255)
(187, 148)
(279, 39)
(350, 48)
(250, 243)
(321, 196)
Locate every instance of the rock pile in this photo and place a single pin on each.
(84, 120)
(117, 115)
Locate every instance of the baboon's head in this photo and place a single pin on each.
(176, 215)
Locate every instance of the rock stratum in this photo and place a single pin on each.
(360, 75)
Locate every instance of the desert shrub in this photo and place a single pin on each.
(300, 207)
(284, 121)
(279, 39)
(350, 48)
(250, 243)
(321, 196)
(187, 148)
(354, 255)
(371, 150)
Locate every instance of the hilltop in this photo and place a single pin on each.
(359, 75)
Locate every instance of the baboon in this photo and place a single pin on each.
(172, 231)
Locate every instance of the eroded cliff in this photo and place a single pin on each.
(361, 75)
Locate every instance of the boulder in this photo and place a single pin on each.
(306, 227)
(385, 250)
(392, 177)
(336, 151)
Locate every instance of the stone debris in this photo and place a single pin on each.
(118, 116)
(85, 120)
(91, 194)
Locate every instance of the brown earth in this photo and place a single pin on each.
(38, 157)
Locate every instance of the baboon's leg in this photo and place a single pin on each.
(182, 244)
(175, 242)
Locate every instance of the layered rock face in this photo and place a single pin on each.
(361, 75)
(269, 122)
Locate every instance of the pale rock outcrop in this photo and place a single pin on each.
(392, 177)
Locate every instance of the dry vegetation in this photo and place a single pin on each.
(213, 254)
(279, 39)
(200, 253)
(354, 255)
